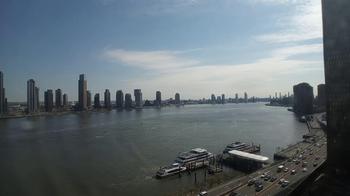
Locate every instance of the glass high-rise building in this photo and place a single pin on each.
(2, 95)
(48, 100)
(82, 88)
(138, 98)
(119, 99)
(107, 99)
(32, 96)
(336, 42)
(58, 98)
(158, 101)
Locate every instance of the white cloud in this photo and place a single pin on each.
(197, 79)
(159, 60)
(304, 23)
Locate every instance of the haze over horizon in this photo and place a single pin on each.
(194, 47)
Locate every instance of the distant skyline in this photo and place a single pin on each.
(194, 47)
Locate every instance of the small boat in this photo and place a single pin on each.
(172, 169)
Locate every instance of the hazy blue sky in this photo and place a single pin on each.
(195, 47)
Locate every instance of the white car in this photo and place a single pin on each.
(203, 193)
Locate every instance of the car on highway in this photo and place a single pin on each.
(259, 188)
(203, 193)
(280, 168)
(304, 169)
(304, 164)
(267, 177)
(281, 181)
(285, 183)
(286, 169)
(293, 172)
(251, 182)
(315, 164)
(273, 178)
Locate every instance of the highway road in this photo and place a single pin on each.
(312, 153)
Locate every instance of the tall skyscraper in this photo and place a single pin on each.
(223, 98)
(58, 98)
(119, 99)
(303, 99)
(2, 95)
(128, 101)
(32, 103)
(37, 95)
(82, 88)
(138, 98)
(321, 95)
(177, 99)
(213, 99)
(236, 98)
(65, 100)
(97, 102)
(48, 100)
(88, 99)
(245, 97)
(107, 99)
(158, 101)
(336, 39)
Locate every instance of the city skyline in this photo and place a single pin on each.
(169, 46)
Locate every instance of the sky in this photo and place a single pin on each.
(194, 47)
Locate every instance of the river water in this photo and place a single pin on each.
(117, 153)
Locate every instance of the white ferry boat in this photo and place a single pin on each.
(195, 158)
(173, 169)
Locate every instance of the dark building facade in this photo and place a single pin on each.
(107, 99)
(48, 100)
(58, 98)
(158, 101)
(245, 97)
(303, 99)
(223, 98)
(321, 95)
(213, 99)
(82, 88)
(3, 105)
(65, 100)
(128, 101)
(32, 96)
(88, 99)
(138, 98)
(97, 102)
(119, 99)
(336, 42)
(177, 99)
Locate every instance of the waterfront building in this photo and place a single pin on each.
(138, 98)
(128, 101)
(303, 99)
(119, 99)
(236, 98)
(321, 95)
(223, 98)
(32, 100)
(82, 88)
(213, 99)
(48, 100)
(107, 99)
(158, 101)
(37, 95)
(218, 99)
(3, 105)
(58, 95)
(65, 100)
(336, 39)
(177, 99)
(97, 102)
(245, 97)
(88, 99)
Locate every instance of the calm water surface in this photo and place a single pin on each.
(117, 153)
